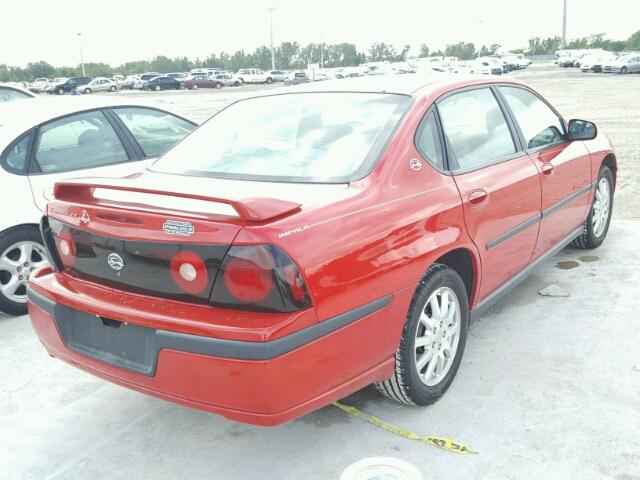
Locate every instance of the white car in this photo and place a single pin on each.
(253, 75)
(44, 141)
(12, 92)
(626, 64)
(39, 85)
(99, 84)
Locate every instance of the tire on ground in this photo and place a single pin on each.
(588, 239)
(405, 385)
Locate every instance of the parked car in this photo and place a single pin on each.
(523, 62)
(295, 78)
(625, 64)
(145, 78)
(253, 75)
(68, 85)
(201, 81)
(163, 83)
(10, 92)
(100, 84)
(228, 80)
(39, 85)
(276, 75)
(594, 63)
(219, 267)
(44, 141)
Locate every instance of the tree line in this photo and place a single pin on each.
(292, 55)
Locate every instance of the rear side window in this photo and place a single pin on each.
(539, 124)
(8, 94)
(475, 128)
(84, 140)
(428, 141)
(154, 130)
(14, 158)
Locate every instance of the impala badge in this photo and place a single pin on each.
(115, 261)
(415, 164)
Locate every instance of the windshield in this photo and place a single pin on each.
(303, 137)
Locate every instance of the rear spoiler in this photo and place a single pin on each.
(248, 209)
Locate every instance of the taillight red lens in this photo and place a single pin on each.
(189, 272)
(247, 281)
(260, 277)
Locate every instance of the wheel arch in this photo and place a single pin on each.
(16, 227)
(611, 161)
(464, 262)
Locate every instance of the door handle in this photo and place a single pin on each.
(478, 197)
(547, 169)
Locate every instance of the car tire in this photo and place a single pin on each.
(236, 84)
(87, 91)
(194, 87)
(623, 70)
(218, 85)
(596, 226)
(269, 80)
(157, 88)
(112, 88)
(438, 332)
(60, 91)
(14, 247)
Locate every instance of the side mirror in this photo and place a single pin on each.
(582, 130)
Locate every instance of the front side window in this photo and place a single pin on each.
(475, 128)
(428, 141)
(332, 137)
(539, 124)
(154, 130)
(83, 140)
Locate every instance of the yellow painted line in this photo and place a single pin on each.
(440, 442)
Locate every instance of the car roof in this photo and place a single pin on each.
(19, 116)
(415, 85)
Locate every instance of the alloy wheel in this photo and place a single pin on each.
(601, 206)
(437, 336)
(16, 265)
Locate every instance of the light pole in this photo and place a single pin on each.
(81, 55)
(273, 55)
(564, 25)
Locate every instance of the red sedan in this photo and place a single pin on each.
(201, 82)
(298, 247)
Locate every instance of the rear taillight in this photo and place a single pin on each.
(262, 278)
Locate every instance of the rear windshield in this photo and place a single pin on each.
(299, 137)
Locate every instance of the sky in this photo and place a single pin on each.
(117, 31)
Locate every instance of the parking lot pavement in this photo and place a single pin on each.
(549, 387)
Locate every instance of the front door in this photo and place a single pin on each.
(565, 167)
(499, 184)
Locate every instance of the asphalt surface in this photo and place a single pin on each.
(549, 386)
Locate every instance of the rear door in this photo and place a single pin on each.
(498, 182)
(83, 144)
(564, 166)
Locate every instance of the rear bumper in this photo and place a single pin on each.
(264, 383)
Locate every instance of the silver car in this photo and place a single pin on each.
(99, 85)
(627, 64)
